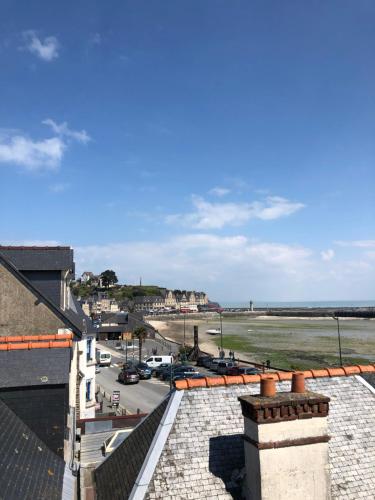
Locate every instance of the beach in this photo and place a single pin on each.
(289, 343)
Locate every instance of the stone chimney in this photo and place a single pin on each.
(286, 443)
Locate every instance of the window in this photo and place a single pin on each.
(89, 349)
(88, 389)
(158, 360)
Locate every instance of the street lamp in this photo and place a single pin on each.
(221, 335)
(338, 335)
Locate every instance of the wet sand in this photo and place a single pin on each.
(288, 342)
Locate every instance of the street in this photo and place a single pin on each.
(145, 395)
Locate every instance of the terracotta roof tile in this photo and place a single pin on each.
(277, 376)
(29, 338)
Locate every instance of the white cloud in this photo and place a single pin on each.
(232, 268)
(63, 130)
(219, 191)
(45, 154)
(33, 155)
(46, 49)
(357, 243)
(327, 254)
(217, 215)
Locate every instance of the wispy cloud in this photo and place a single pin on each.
(356, 243)
(233, 268)
(63, 130)
(327, 254)
(17, 148)
(219, 191)
(33, 155)
(208, 215)
(47, 49)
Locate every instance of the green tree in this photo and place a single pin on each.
(140, 333)
(108, 277)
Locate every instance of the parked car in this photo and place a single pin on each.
(202, 359)
(128, 376)
(143, 370)
(179, 370)
(190, 375)
(207, 361)
(213, 363)
(155, 361)
(223, 366)
(243, 370)
(156, 372)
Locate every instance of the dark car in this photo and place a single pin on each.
(128, 376)
(143, 370)
(160, 369)
(243, 370)
(207, 361)
(180, 370)
(202, 359)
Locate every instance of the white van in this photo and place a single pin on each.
(103, 358)
(155, 361)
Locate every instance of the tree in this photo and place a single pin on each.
(108, 277)
(140, 333)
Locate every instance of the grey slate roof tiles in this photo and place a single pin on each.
(39, 258)
(29, 470)
(116, 476)
(203, 456)
(21, 368)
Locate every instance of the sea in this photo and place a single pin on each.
(310, 304)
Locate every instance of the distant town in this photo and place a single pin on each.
(102, 293)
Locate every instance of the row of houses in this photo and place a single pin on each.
(168, 299)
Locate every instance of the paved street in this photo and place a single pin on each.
(145, 395)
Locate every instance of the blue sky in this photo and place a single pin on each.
(224, 146)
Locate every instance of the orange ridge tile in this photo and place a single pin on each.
(251, 379)
(197, 382)
(320, 373)
(273, 375)
(233, 379)
(336, 372)
(214, 381)
(366, 368)
(181, 385)
(351, 370)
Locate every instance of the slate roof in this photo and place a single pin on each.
(203, 454)
(39, 258)
(22, 368)
(71, 320)
(116, 476)
(29, 470)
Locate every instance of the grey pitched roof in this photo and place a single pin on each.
(39, 258)
(70, 322)
(28, 469)
(148, 299)
(21, 368)
(116, 476)
(203, 454)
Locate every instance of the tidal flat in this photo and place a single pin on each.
(289, 343)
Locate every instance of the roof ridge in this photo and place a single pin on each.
(277, 376)
(36, 345)
(36, 337)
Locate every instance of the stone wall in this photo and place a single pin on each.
(21, 312)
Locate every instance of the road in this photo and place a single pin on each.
(144, 396)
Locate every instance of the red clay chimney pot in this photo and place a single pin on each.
(267, 387)
(298, 382)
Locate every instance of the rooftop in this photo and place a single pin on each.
(201, 451)
(42, 258)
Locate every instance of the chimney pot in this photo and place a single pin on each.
(267, 387)
(298, 382)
